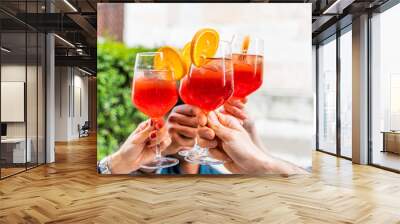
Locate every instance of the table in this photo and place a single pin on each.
(13, 150)
(391, 141)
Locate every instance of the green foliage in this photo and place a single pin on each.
(116, 117)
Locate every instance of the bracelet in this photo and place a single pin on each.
(104, 166)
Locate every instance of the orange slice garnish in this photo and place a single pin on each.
(186, 55)
(245, 44)
(171, 60)
(204, 45)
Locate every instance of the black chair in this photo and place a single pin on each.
(84, 130)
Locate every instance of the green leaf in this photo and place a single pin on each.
(117, 117)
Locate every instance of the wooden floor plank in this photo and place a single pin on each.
(70, 191)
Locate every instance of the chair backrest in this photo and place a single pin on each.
(86, 124)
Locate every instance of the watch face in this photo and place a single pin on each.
(102, 167)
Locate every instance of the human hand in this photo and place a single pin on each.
(140, 147)
(240, 153)
(186, 123)
(236, 108)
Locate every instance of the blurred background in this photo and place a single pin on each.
(283, 108)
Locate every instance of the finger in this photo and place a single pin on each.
(157, 124)
(229, 121)
(206, 133)
(222, 109)
(153, 140)
(184, 120)
(236, 103)
(244, 100)
(156, 139)
(219, 154)
(235, 111)
(220, 130)
(204, 143)
(181, 140)
(202, 118)
(164, 144)
(151, 143)
(188, 110)
(248, 124)
(226, 112)
(162, 133)
(183, 130)
(161, 144)
(142, 126)
(141, 136)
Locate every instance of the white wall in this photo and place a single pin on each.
(34, 125)
(10, 73)
(61, 103)
(82, 82)
(79, 117)
(69, 82)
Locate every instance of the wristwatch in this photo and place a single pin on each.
(104, 166)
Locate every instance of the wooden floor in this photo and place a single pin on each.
(387, 159)
(70, 191)
(10, 171)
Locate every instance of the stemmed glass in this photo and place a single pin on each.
(154, 92)
(247, 58)
(208, 87)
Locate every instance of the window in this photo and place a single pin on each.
(22, 76)
(346, 93)
(327, 96)
(385, 89)
(395, 102)
(14, 143)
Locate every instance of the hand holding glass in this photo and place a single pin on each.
(154, 92)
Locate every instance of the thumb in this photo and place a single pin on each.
(220, 130)
(229, 121)
(141, 134)
(143, 125)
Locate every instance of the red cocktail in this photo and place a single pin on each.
(153, 95)
(154, 92)
(208, 86)
(248, 74)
